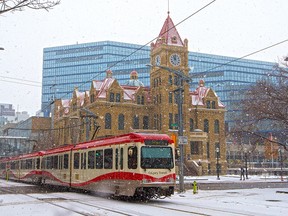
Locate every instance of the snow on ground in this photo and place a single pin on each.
(235, 178)
(268, 201)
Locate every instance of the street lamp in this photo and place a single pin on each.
(182, 77)
(281, 163)
(217, 164)
(246, 167)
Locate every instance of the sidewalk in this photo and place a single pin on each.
(230, 182)
(234, 178)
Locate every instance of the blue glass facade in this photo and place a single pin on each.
(67, 67)
(228, 76)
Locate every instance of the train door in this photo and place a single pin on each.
(64, 169)
(75, 174)
(119, 163)
(83, 171)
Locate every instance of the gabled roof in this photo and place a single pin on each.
(201, 92)
(169, 34)
(106, 83)
(129, 92)
(65, 102)
(97, 84)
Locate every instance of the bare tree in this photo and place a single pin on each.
(265, 105)
(19, 5)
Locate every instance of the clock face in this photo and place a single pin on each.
(175, 59)
(158, 60)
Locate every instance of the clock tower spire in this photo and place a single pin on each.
(169, 54)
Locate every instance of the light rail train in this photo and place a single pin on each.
(136, 165)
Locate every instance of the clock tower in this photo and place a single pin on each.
(168, 54)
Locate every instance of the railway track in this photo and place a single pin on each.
(60, 202)
(72, 203)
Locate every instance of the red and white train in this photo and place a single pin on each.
(132, 165)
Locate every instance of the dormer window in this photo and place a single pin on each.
(208, 104)
(213, 105)
(111, 98)
(118, 97)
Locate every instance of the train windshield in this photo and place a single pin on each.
(156, 157)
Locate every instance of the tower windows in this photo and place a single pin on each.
(121, 122)
(191, 124)
(206, 125)
(107, 121)
(216, 126)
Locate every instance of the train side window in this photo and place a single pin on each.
(12, 165)
(44, 164)
(99, 159)
(55, 162)
(29, 164)
(83, 160)
(76, 160)
(2, 166)
(66, 161)
(38, 163)
(49, 162)
(23, 164)
(116, 158)
(60, 162)
(121, 158)
(132, 157)
(91, 159)
(108, 158)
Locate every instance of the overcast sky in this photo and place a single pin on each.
(226, 27)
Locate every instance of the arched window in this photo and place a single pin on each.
(206, 126)
(145, 122)
(121, 122)
(216, 126)
(136, 122)
(191, 121)
(107, 121)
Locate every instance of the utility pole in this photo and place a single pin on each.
(182, 78)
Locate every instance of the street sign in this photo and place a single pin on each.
(182, 140)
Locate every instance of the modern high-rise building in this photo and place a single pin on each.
(67, 67)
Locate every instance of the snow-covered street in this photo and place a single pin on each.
(268, 201)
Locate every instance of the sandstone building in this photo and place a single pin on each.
(118, 109)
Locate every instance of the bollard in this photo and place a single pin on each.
(195, 187)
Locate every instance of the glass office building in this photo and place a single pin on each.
(229, 77)
(67, 67)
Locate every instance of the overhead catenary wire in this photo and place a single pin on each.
(194, 13)
(140, 48)
(22, 83)
(245, 56)
(47, 129)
